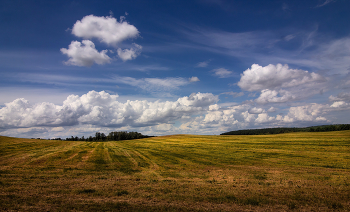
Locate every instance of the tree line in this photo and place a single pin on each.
(112, 136)
(279, 130)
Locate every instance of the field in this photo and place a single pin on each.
(286, 172)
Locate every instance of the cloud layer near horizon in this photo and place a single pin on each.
(101, 109)
(198, 112)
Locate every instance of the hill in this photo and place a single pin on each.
(279, 130)
(296, 171)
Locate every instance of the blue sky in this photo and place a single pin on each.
(167, 67)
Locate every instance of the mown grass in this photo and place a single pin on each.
(285, 172)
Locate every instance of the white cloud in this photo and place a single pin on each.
(263, 118)
(20, 113)
(203, 64)
(85, 55)
(129, 54)
(275, 76)
(279, 84)
(271, 96)
(198, 99)
(309, 113)
(214, 107)
(340, 104)
(247, 117)
(107, 29)
(222, 72)
(271, 110)
(194, 79)
(256, 110)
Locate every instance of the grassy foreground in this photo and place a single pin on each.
(286, 172)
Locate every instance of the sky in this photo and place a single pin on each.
(73, 68)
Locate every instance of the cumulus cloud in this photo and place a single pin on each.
(311, 112)
(194, 79)
(129, 54)
(222, 72)
(225, 117)
(214, 107)
(199, 99)
(279, 84)
(100, 109)
(340, 104)
(263, 118)
(20, 113)
(275, 76)
(85, 55)
(271, 96)
(271, 110)
(106, 29)
(256, 110)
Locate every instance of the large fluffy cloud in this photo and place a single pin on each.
(275, 76)
(279, 83)
(85, 55)
(20, 113)
(107, 29)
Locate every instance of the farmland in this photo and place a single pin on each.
(285, 172)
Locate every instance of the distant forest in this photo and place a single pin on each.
(112, 136)
(323, 128)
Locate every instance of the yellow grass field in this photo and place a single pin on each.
(285, 172)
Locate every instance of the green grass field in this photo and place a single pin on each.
(285, 172)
